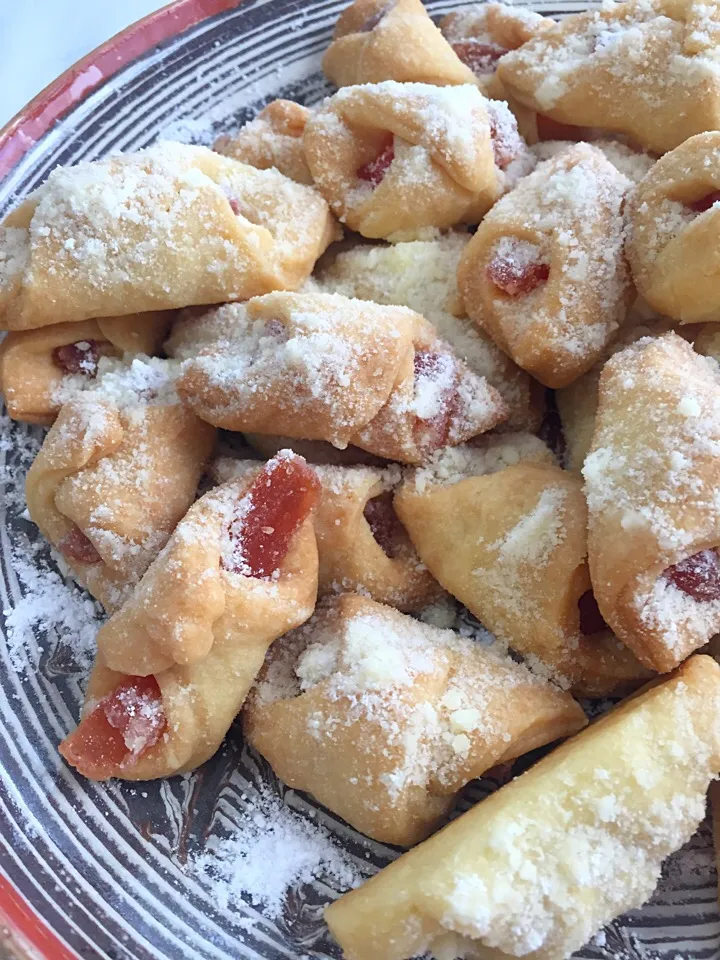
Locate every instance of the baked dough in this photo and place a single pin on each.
(115, 474)
(167, 227)
(422, 275)
(40, 368)
(384, 719)
(651, 484)
(210, 625)
(393, 159)
(323, 367)
(633, 164)
(315, 451)
(673, 228)
(376, 40)
(545, 274)
(549, 859)
(609, 67)
(273, 139)
(512, 546)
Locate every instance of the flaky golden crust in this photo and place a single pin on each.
(472, 889)
(167, 227)
(607, 68)
(459, 711)
(404, 45)
(273, 139)
(651, 482)
(512, 547)
(560, 232)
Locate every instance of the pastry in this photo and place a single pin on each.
(673, 227)
(422, 275)
(169, 226)
(273, 139)
(115, 474)
(394, 160)
(545, 274)
(545, 862)
(198, 626)
(654, 516)
(314, 451)
(512, 546)
(608, 67)
(377, 40)
(323, 367)
(384, 719)
(40, 369)
(633, 164)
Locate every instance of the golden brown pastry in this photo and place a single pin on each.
(115, 474)
(536, 869)
(673, 228)
(273, 139)
(377, 40)
(198, 626)
(645, 68)
(422, 275)
(393, 159)
(651, 484)
(35, 364)
(545, 274)
(512, 546)
(169, 226)
(323, 367)
(384, 719)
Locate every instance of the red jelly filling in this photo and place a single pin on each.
(480, 57)
(76, 546)
(591, 620)
(384, 523)
(438, 374)
(118, 730)
(698, 576)
(80, 357)
(704, 203)
(515, 277)
(270, 513)
(374, 170)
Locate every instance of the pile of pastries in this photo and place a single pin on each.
(448, 337)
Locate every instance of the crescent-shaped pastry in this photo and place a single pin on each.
(115, 474)
(393, 160)
(422, 275)
(384, 719)
(674, 223)
(39, 369)
(512, 546)
(198, 627)
(273, 139)
(323, 367)
(545, 274)
(608, 67)
(651, 481)
(536, 869)
(377, 40)
(166, 227)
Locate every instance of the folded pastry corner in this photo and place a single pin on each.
(176, 662)
(383, 718)
(651, 484)
(536, 869)
(545, 275)
(510, 543)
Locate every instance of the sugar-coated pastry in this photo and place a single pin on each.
(608, 67)
(633, 164)
(654, 516)
(512, 546)
(377, 40)
(273, 139)
(422, 275)
(40, 368)
(545, 274)
(384, 719)
(166, 227)
(115, 474)
(240, 570)
(674, 221)
(323, 367)
(536, 869)
(394, 159)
